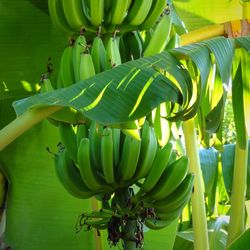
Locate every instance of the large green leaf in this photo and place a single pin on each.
(242, 242)
(227, 159)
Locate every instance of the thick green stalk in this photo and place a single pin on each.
(23, 123)
(237, 211)
(198, 202)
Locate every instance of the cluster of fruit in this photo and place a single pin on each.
(137, 178)
(102, 161)
(106, 15)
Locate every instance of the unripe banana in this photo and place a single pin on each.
(74, 15)
(160, 36)
(95, 133)
(170, 180)
(160, 163)
(66, 67)
(157, 224)
(113, 53)
(57, 16)
(82, 132)
(69, 139)
(46, 86)
(98, 54)
(87, 68)
(80, 47)
(118, 11)
(70, 177)
(116, 142)
(96, 12)
(138, 12)
(87, 171)
(148, 151)
(154, 13)
(107, 154)
(172, 201)
(129, 158)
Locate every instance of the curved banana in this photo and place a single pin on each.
(138, 12)
(113, 53)
(116, 142)
(148, 151)
(134, 45)
(57, 16)
(69, 176)
(96, 12)
(118, 11)
(68, 139)
(160, 163)
(66, 67)
(81, 132)
(87, 68)
(160, 36)
(95, 133)
(46, 86)
(129, 158)
(98, 54)
(180, 194)
(88, 173)
(154, 13)
(74, 15)
(79, 47)
(157, 224)
(170, 179)
(107, 154)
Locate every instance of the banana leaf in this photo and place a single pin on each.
(242, 242)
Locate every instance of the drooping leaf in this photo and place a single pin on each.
(242, 242)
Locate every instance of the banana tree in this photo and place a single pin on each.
(160, 84)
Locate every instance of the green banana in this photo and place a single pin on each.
(68, 139)
(95, 133)
(113, 53)
(116, 142)
(79, 47)
(81, 132)
(74, 15)
(129, 158)
(87, 68)
(154, 13)
(96, 12)
(107, 155)
(160, 36)
(46, 86)
(69, 176)
(170, 179)
(66, 67)
(118, 11)
(88, 173)
(160, 163)
(57, 16)
(98, 54)
(161, 125)
(157, 224)
(134, 45)
(180, 194)
(148, 151)
(138, 12)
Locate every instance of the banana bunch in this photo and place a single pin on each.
(77, 16)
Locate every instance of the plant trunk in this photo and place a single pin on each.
(237, 212)
(23, 123)
(198, 203)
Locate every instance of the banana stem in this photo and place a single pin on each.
(23, 123)
(198, 203)
(237, 211)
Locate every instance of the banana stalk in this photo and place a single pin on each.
(198, 202)
(237, 213)
(23, 123)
